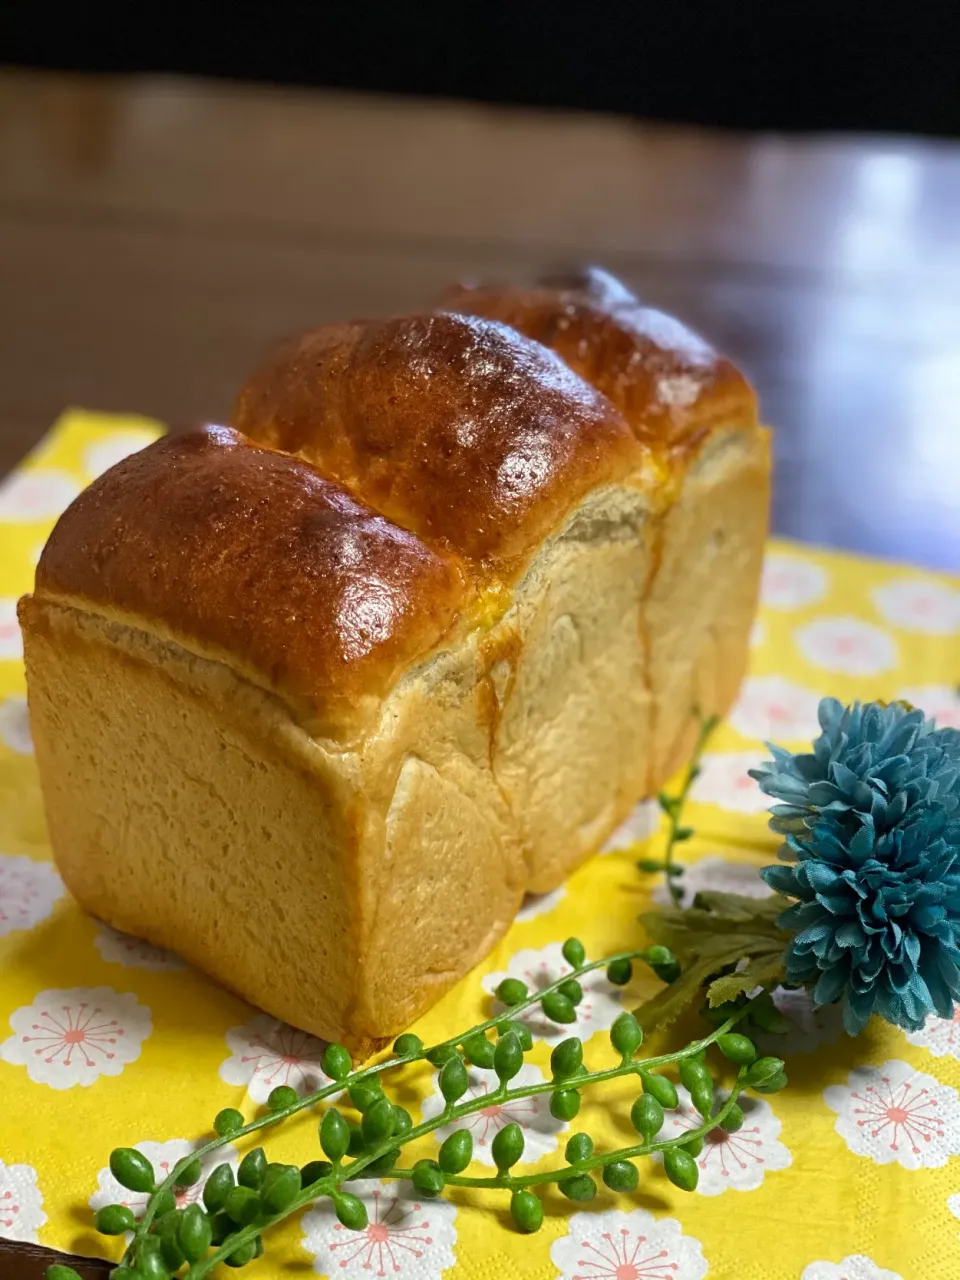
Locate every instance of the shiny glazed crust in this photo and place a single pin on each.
(408, 640)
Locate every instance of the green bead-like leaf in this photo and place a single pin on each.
(479, 1050)
(579, 1148)
(456, 1152)
(252, 1168)
(659, 1087)
(733, 1120)
(507, 1146)
(564, 1104)
(151, 1267)
(242, 1254)
(694, 1146)
(365, 1093)
(773, 1085)
(194, 1233)
(512, 991)
(681, 834)
(527, 1210)
(222, 1226)
(694, 1073)
(167, 1229)
(621, 1175)
(521, 1031)
(132, 1169)
(189, 1174)
(652, 866)
(60, 1272)
(701, 1095)
(453, 1080)
(681, 1168)
(626, 1035)
(377, 1123)
(408, 1045)
(441, 1054)
(580, 1187)
(739, 1049)
(572, 989)
(646, 1116)
(336, 1062)
(428, 1178)
(558, 1008)
(356, 1146)
(242, 1205)
(314, 1170)
(573, 953)
(163, 1202)
(218, 1186)
(566, 1058)
(402, 1120)
(228, 1122)
(508, 1057)
(281, 1097)
(114, 1220)
(658, 955)
(763, 1071)
(334, 1135)
(281, 1187)
(619, 972)
(382, 1164)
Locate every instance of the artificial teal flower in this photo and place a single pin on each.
(872, 819)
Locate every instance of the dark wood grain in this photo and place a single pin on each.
(155, 235)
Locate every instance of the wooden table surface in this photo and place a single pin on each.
(156, 235)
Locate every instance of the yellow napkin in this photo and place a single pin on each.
(853, 1172)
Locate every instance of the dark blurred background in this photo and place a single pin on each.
(847, 65)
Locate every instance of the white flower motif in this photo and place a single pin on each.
(938, 701)
(718, 875)
(894, 1113)
(266, 1052)
(732, 1160)
(72, 1037)
(533, 1116)
(29, 496)
(28, 892)
(919, 604)
(810, 1027)
(15, 725)
(953, 1204)
(626, 1246)
(940, 1035)
(641, 824)
(772, 708)
(21, 1204)
(133, 953)
(163, 1156)
(538, 904)
(847, 645)
(857, 1266)
(402, 1237)
(791, 583)
(597, 1011)
(104, 454)
(724, 781)
(11, 641)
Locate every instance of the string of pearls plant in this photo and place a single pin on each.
(238, 1209)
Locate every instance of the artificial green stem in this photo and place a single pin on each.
(335, 1086)
(675, 812)
(335, 1181)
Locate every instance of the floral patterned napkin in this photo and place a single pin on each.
(852, 1174)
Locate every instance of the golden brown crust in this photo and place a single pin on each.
(240, 551)
(456, 427)
(668, 383)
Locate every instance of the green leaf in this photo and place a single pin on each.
(709, 939)
(651, 865)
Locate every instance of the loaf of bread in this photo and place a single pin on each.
(318, 696)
